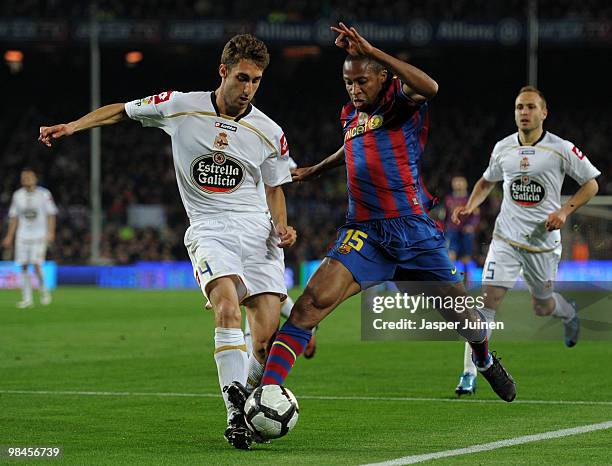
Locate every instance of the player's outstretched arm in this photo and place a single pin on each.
(481, 190)
(587, 191)
(310, 173)
(275, 198)
(107, 115)
(417, 84)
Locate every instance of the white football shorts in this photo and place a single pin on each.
(505, 262)
(244, 245)
(30, 252)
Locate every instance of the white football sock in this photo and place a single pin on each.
(256, 370)
(468, 364)
(286, 307)
(41, 284)
(26, 286)
(231, 358)
(563, 309)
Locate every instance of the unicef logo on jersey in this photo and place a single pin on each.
(217, 173)
(527, 192)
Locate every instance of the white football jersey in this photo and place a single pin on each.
(32, 209)
(220, 161)
(533, 176)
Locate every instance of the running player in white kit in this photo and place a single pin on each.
(32, 226)
(230, 161)
(532, 164)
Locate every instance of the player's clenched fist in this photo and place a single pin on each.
(50, 133)
(459, 212)
(287, 235)
(555, 221)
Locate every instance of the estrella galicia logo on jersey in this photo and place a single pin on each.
(370, 124)
(227, 126)
(217, 173)
(30, 214)
(526, 191)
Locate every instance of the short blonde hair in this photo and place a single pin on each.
(533, 89)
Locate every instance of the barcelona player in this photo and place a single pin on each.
(388, 234)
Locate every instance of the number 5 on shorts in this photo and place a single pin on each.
(354, 238)
(490, 272)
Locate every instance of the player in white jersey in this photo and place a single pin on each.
(32, 226)
(532, 164)
(230, 161)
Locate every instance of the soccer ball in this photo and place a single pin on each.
(271, 411)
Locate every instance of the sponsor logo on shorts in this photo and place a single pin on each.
(526, 191)
(226, 126)
(217, 173)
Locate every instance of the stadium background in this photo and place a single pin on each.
(127, 376)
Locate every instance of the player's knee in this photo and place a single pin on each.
(493, 298)
(317, 301)
(543, 307)
(309, 307)
(227, 313)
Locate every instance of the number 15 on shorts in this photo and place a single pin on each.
(354, 238)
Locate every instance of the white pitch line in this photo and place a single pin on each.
(495, 445)
(305, 397)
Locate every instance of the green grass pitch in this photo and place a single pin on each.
(130, 378)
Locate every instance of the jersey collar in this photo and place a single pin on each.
(213, 100)
(518, 137)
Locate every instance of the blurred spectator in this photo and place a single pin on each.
(302, 10)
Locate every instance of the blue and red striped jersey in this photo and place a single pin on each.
(383, 151)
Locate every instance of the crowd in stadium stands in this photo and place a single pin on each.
(137, 169)
(137, 166)
(302, 10)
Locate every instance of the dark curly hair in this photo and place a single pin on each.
(245, 47)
